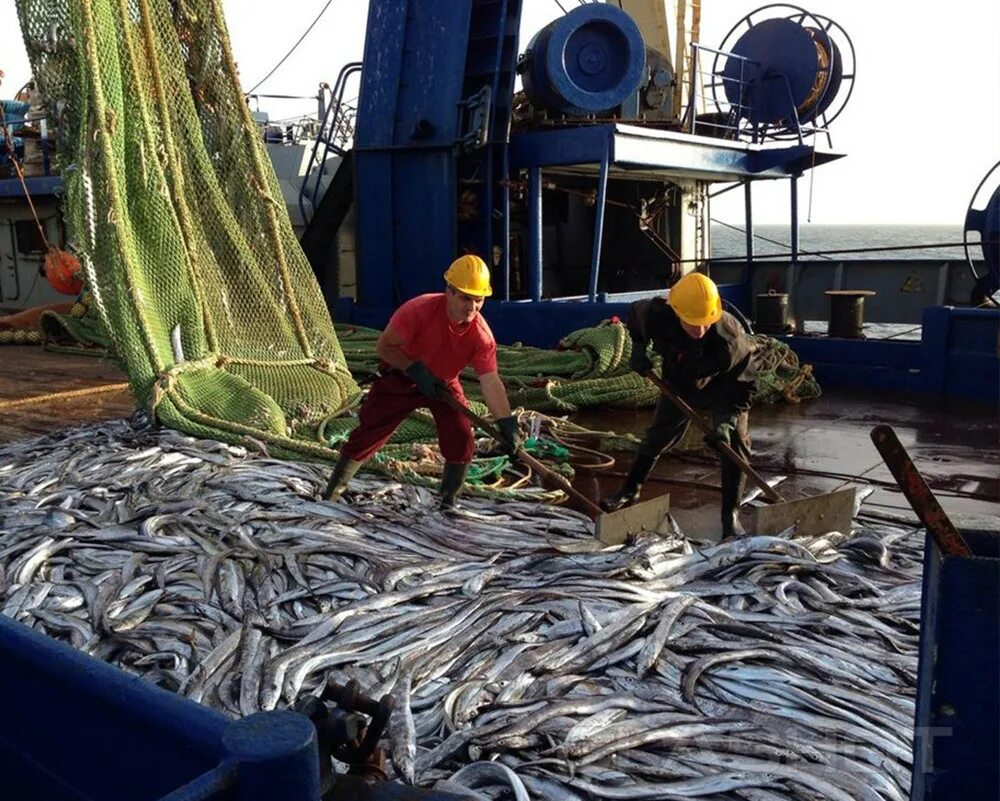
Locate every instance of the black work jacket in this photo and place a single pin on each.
(717, 371)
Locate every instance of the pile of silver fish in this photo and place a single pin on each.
(524, 660)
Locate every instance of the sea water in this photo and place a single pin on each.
(870, 241)
(867, 242)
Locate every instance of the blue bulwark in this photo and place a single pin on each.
(957, 720)
(890, 365)
(956, 356)
(38, 187)
(73, 728)
(960, 352)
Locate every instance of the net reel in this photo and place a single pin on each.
(985, 220)
(785, 71)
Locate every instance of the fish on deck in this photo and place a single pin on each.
(761, 667)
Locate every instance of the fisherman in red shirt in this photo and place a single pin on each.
(427, 343)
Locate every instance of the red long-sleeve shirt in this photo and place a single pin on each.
(429, 336)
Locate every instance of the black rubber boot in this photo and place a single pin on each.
(732, 492)
(452, 481)
(629, 493)
(343, 472)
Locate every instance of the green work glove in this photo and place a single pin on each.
(638, 360)
(722, 432)
(510, 434)
(426, 381)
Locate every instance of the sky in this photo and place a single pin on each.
(921, 128)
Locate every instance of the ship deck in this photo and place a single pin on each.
(823, 444)
(819, 445)
(42, 391)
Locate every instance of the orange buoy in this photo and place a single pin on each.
(63, 271)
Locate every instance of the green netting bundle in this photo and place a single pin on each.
(590, 370)
(79, 331)
(174, 210)
(780, 376)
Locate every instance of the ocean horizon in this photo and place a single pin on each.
(869, 241)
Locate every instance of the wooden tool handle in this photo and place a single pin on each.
(591, 508)
(769, 492)
(918, 493)
(588, 505)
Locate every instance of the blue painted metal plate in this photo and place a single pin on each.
(46, 185)
(957, 720)
(73, 728)
(86, 729)
(658, 155)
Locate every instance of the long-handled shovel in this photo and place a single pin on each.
(611, 528)
(833, 511)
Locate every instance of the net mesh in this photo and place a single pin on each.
(174, 209)
(202, 291)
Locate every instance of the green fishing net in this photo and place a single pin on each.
(175, 213)
(201, 290)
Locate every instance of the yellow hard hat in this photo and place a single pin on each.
(469, 274)
(695, 299)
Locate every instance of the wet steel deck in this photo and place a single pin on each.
(819, 444)
(824, 443)
(32, 374)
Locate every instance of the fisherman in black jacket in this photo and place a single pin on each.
(709, 360)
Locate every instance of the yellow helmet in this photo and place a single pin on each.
(695, 299)
(469, 274)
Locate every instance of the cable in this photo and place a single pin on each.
(762, 238)
(822, 254)
(826, 253)
(699, 459)
(285, 57)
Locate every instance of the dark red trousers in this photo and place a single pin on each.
(391, 398)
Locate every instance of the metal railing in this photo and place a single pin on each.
(336, 134)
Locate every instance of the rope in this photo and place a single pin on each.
(822, 77)
(59, 396)
(788, 393)
(20, 337)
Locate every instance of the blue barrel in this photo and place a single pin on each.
(586, 62)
